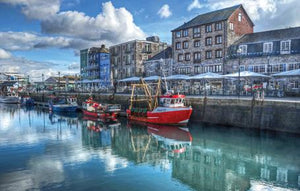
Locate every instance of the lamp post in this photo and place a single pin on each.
(268, 73)
(239, 51)
(43, 82)
(58, 81)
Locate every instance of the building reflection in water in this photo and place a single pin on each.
(238, 159)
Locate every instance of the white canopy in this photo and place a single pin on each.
(151, 78)
(177, 77)
(246, 74)
(290, 73)
(132, 79)
(208, 75)
(86, 81)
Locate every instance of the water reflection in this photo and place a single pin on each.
(41, 150)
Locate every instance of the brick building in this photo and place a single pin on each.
(127, 58)
(200, 45)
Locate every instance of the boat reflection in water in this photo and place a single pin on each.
(97, 132)
(171, 138)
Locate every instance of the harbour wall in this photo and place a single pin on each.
(277, 115)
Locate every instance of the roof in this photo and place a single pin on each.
(272, 35)
(218, 15)
(165, 54)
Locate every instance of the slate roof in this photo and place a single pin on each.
(273, 35)
(165, 54)
(218, 15)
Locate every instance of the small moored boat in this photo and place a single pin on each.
(95, 109)
(9, 99)
(64, 104)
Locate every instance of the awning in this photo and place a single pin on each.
(208, 75)
(291, 73)
(246, 74)
(177, 77)
(132, 79)
(150, 78)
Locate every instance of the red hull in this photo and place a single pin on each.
(99, 114)
(170, 116)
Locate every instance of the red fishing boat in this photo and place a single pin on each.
(95, 109)
(166, 109)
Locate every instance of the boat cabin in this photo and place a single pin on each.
(172, 100)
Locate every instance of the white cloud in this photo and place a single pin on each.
(114, 25)
(27, 41)
(194, 5)
(164, 11)
(4, 54)
(266, 14)
(36, 9)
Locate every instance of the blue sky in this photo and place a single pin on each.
(43, 37)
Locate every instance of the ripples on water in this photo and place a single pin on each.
(42, 151)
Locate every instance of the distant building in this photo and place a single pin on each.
(127, 58)
(160, 64)
(95, 67)
(200, 44)
(66, 82)
(266, 52)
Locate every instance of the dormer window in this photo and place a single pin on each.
(285, 47)
(268, 47)
(240, 17)
(243, 49)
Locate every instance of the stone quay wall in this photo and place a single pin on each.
(277, 115)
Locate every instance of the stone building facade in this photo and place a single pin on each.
(127, 58)
(160, 64)
(200, 45)
(266, 52)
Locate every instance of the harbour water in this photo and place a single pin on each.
(42, 151)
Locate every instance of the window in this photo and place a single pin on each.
(243, 49)
(231, 26)
(187, 56)
(240, 17)
(268, 47)
(185, 44)
(197, 69)
(219, 53)
(196, 32)
(197, 43)
(197, 57)
(178, 45)
(208, 41)
(185, 32)
(208, 28)
(208, 54)
(180, 57)
(147, 47)
(218, 26)
(178, 34)
(285, 47)
(219, 39)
